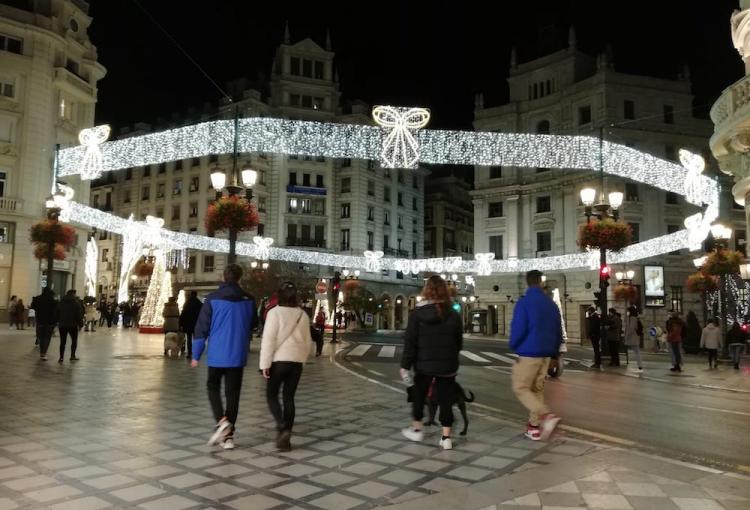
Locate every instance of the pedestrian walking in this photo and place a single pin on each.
(613, 334)
(320, 324)
(736, 340)
(91, 317)
(127, 314)
(693, 332)
(31, 317)
(188, 318)
(113, 317)
(634, 334)
(593, 331)
(12, 311)
(711, 341)
(284, 349)
(20, 314)
(535, 335)
(171, 314)
(45, 306)
(103, 312)
(70, 313)
(433, 339)
(223, 330)
(675, 331)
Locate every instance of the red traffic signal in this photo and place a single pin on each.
(604, 272)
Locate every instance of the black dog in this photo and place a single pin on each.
(458, 397)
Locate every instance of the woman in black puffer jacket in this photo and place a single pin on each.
(432, 342)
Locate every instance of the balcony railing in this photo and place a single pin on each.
(306, 243)
(306, 190)
(9, 204)
(734, 98)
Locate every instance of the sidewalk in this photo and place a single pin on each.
(125, 427)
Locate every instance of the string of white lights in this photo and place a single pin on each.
(365, 142)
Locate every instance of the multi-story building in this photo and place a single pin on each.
(324, 204)
(448, 217)
(48, 77)
(535, 212)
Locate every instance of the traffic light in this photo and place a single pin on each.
(457, 307)
(604, 274)
(598, 298)
(336, 282)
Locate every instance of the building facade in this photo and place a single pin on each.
(536, 212)
(448, 217)
(315, 203)
(48, 78)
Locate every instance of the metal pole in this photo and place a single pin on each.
(725, 315)
(234, 188)
(333, 335)
(602, 280)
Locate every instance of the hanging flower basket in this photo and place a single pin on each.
(228, 213)
(722, 262)
(624, 292)
(143, 269)
(48, 231)
(42, 250)
(701, 282)
(608, 234)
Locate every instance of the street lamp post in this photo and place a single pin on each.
(602, 210)
(53, 214)
(241, 180)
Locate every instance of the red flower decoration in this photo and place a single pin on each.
(48, 231)
(143, 269)
(701, 282)
(624, 292)
(607, 233)
(231, 213)
(722, 262)
(42, 250)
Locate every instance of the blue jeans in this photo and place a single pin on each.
(637, 350)
(736, 351)
(676, 353)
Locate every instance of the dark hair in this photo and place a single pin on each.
(591, 309)
(288, 295)
(435, 289)
(534, 277)
(612, 310)
(71, 292)
(633, 311)
(173, 299)
(193, 293)
(232, 273)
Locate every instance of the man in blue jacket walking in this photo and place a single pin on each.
(224, 327)
(535, 335)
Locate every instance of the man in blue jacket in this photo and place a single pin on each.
(224, 327)
(535, 335)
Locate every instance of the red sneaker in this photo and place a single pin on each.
(548, 424)
(533, 432)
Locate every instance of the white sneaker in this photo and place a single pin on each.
(228, 444)
(222, 430)
(446, 444)
(412, 435)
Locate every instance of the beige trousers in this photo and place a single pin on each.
(528, 385)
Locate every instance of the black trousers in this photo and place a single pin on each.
(596, 343)
(614, 352)
(443, 388)
(64, 332)
(284, 375)
(713, 355)
(44, 335)
(189, 343)
(232, 385)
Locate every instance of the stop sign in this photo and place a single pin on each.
(321, 287)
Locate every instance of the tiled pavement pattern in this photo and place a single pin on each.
(125, 428)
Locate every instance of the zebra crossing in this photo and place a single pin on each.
(385, 353)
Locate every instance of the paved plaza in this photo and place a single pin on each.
(124, 427)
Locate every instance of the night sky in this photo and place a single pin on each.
(436, 54)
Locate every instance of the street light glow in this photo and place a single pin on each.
(588, 195)
(615, 199)
(249, 176)
(218, 179)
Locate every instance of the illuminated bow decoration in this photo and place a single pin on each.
(62, 200)
(484, 266)
(262, 247)
(402, 266)
(372, 260)
(694, 164)
(417, 266)
(93, 161)
(469, 279)
(698, 229)
(400, 149)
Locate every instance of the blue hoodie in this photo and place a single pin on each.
(536, 331)
(225, 322)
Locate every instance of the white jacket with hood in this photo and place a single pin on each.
(286, 336)
(711, 337)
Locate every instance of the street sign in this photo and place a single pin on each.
(321, 287)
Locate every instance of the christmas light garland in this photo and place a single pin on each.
(434, 146)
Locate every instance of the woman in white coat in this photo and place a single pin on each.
(711, 341)
(285, 347)
(633, 334)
